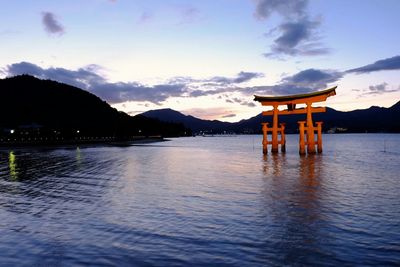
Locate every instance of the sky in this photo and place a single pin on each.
(207, 58)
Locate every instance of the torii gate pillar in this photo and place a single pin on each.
(310, 131)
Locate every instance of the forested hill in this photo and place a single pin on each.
(33, 106)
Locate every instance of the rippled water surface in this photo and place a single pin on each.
(211, 201)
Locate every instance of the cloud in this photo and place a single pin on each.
(24, 68)
(297, 38)
(380, 89)
(297, 34)
(132, 91)
(51, 25)
(286, 8)
(392, 63)
(241, 101)
(82, 78)
(229, 115)
(87, 78)
(218, 84)
(313, 77)
(302, 82)
(240, 78)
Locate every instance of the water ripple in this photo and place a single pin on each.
(202, 202)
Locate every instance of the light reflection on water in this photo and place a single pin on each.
(202, 201)
(12, 165)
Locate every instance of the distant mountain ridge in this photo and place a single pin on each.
(373, 119)
(195, 124)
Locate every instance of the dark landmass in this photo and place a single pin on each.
(34, 110)
(372, 120)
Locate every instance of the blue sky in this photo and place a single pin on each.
(207, 58)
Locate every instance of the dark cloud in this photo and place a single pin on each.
(229, 115)
(87, 78)
(241, 101)
(292, 34)
(240, 78)
(280, 89)
(302, 82)
(24, 68)
(121, 92)
(297, 34)
(247, 76)
(286, 8)
(297, 38)
(182, 79)
(82, 78)
(313, 77)
(380, 89)
(392, 63)
(51, 25)
(218, 84)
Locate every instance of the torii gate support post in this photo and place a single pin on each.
(319, 137)
(310, 131)
(275, 143)
(283, 138)
(265, 137)
(302, 146)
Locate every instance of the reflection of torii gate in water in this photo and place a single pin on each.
(304, 126)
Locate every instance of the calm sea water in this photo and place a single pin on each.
(204, 201)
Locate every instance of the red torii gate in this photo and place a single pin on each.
(304, 126)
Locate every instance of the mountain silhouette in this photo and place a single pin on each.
(32, 106)
(374, 119)
(193, 123)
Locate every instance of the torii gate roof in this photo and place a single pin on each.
(318, 96)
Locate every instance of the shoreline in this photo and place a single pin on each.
(84, 141)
